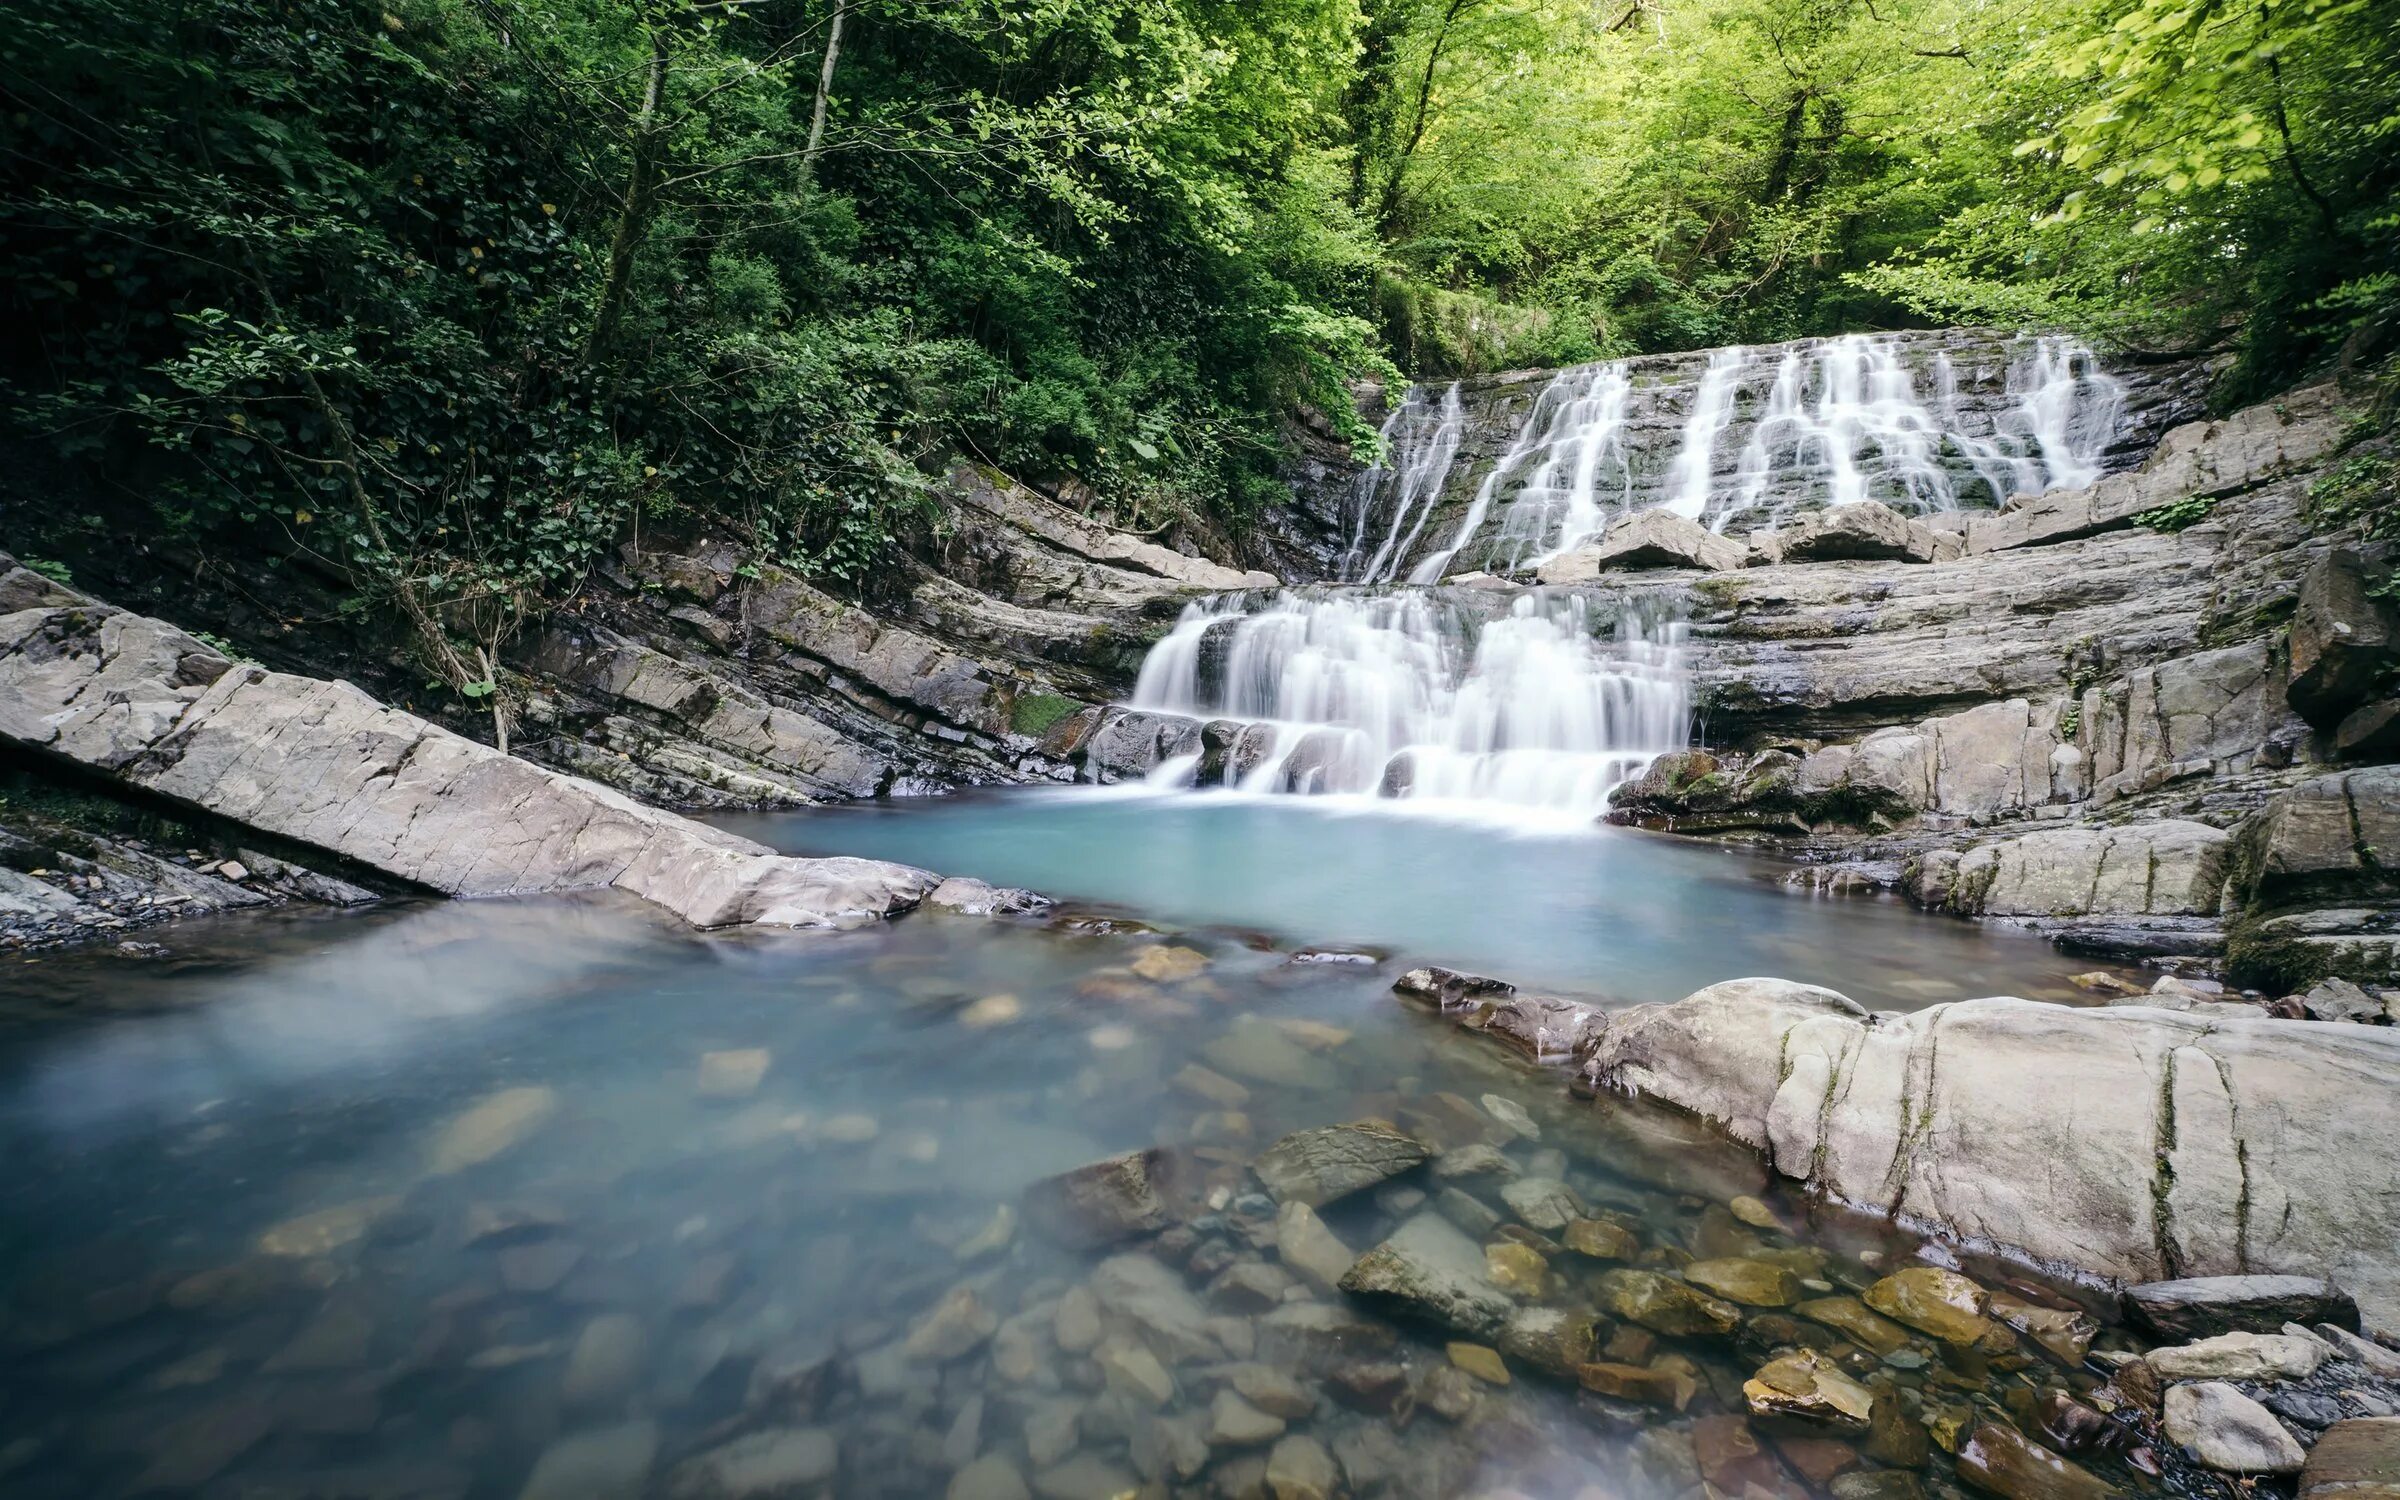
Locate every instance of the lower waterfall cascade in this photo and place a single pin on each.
(1407, 696)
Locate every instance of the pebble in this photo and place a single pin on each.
(990, 1011)
(1512, 1115)
(1483, 1363)
(734, 1074)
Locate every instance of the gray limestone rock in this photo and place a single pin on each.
(1645, 539)
(2344, 641)
(1316, 1167)
(2204, 1144)
(2227, 1431)
(2164, 868)
(1431, 1273)
(323, 764)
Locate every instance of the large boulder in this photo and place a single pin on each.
(323, 764)
(1646, 539)
(2344, 641)
(1130, 743)
(2319, 883)
(1863, 529)
(2133, 1142)
(2169, 868)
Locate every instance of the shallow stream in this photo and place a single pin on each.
(553, 1199)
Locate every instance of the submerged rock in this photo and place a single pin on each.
(991, 1477)
(2003, 1461)
(1753, 1283)
(1872, 1330)
(1666, 1305)
(492, 1125)
(1309, 1248)
(1806, 1386)
(1100, 1204)
(604, 1463)
(957, 1325)
(1429, 1272)
(2227, 1431)
(1301, 1469)
(768, 1465)
(1315, 1167)
(1932, 1300)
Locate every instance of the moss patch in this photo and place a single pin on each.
(1034, 713)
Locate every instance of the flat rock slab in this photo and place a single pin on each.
(1317, 1166)
(1430, 1272)
(323, 764)
(2133, 1142)
(2354, 1460)
(2198, 1307)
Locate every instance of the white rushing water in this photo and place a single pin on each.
(1422, 444)
(1401, 699)
(1827, 422)
(1407, 699)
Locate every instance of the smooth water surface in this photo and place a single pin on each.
(553, 1200)
(1607, 912)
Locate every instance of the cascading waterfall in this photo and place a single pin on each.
(1422, 446)
(1416, 702)
(1827, 422)
(1534, 710)
(1712, 411)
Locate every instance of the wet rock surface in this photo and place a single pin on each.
(2206, 1114)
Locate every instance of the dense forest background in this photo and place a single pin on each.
(452, 295)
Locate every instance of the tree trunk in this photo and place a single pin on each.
(1388, 210)
(816, 117)
(633, 215)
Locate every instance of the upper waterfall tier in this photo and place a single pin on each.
(1498, 472)
(1431, 700)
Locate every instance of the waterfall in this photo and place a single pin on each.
(2066, 412)
(1816, 423)
(1407, 700)
(1533, 705)
(1712, 409)
(1422, 449)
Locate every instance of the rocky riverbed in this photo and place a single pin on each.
(739, 1242)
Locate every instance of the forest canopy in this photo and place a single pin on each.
(451, 295)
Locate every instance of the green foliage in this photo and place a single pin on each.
(56, 572)
(1035, 713)
(452, 296)
(2177, 515)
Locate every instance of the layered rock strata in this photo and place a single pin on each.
(325, 766)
